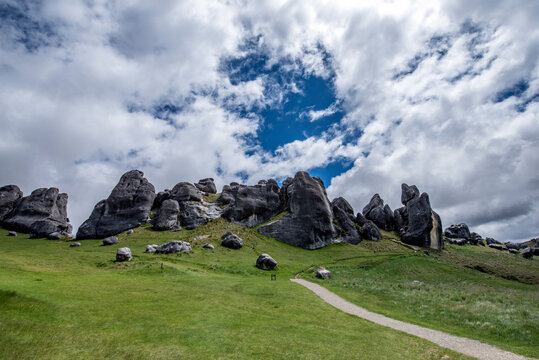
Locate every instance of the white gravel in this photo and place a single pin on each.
(462, 345)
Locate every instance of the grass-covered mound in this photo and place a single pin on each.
(59, 302)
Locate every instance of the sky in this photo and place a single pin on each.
(367, 95)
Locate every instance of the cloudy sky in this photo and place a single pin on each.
(364, 94)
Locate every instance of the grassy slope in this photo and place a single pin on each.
(61, 302)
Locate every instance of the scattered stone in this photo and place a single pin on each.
(151, 248)
(12, 233)
(511, 245)
(128, 206)
(458, 231)
(322, 273)
(206, 185)
(75, 244)
(527, 253)
(266, 262)
(408, 193)
(535, 249)
(231, 241)
(111, 240)
(208, 246)
(457, 241)
(370, 231)
(10, 196)
(514, 251)
(123, 254)
(172, 247)
(130, 231)
(168, 215)
(417, 283)
(54, 236)
(476, 239)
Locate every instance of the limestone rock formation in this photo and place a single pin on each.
(421, 225)
(9, 198)
(231, 241)
(346, 221)
(309, 223)
(124, 254)
(171, 247)
(379, 214)
(41, 213)
(168, 215)
(185, 191)
(128, 206)
(206, 185)
(111, 240)
(527, 253)
(266, 262)
(370, 231)
(322, 273)
(458, 231)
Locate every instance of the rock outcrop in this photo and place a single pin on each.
(128, 206)
(346, 225)
(421, 226)
(266, 262)
(370, 231)
(9, 199)
(41, 213)
(379, 214)
(309, 223)
(206, 185)
(167, 216)
(460, 231)
(170, 247)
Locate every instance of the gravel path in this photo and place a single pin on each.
(462, 345)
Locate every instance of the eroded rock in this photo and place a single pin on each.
(458, 231)
(266, 262)
(323, 273)
(206, 185)
(124, 254)
(10, 196)
(231, 241)
(168, 215)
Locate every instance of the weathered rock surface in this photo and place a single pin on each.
(151, 248)
(251, 205)
(231, 241)
(322, 273)
(309, 223)
(168, 215)
(185, 191)
(10, 195)
(370, 231)
(496, 246)
(130, 231)
(43, 212)
(527, 253)
(458, 231)
(346, 221)
(206, 185)
(266, 262)
(421, 225)
(124, 254)
(128, 206)
(111, 240)
(379, 214)
(476, 239)
(54, 236)
(173, 247)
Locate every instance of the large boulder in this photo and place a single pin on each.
(309, 223)
(172, 247)
(231, 241)
(323, 273)
(379, 214)
(408, 193)
(251, 205)
(476, 239)
(41, 213)
(423, 226)
(111, 240)
(370, 231)
(9, 198)
(345, 221)
(185, 191)
(206, 185)
(266, 262)
(128, 206)
(527, 253)
(460, 231)
(168, 215)
(123, 254)
(401, 218)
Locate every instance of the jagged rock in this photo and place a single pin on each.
(424, 226)
(172, 247)
(228, 194)
(458, 231)
(322, 273)
(511, 245)
(208, 246)
(168, 215)
(408, 193)
(111, 240)
(123, 254)
(231, 241)
(192, 215)
(346, 221)
(206, 185)
(252, 205)
(185, 191)
(309, 223)
(360, 219)
(10, 196)
(266, 262)
(379, 214)
(12, 233)
(527, 253)
(75, 244)
(43, 212)
(496, 246)
(401, 218)
(54, 236)
(370, 231)
(514, 251)
(128, 206)
(457, 241)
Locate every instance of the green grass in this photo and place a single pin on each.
(58, 302)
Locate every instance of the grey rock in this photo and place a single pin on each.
(322, 273)
(527, 253)
(491, 241)
(10, 196)
(128, 206)
(124, 254)
(151, 248)
(475, 239)
(380, 214)
(185, 191)
(168, 215)
(309, 223)
(401, 218)
(370, 231)
(43, 212)
(458, 231)
(208, 246)
(159, 198)
(54, 236)
(206, 185)
(514, 251)
(345, 221)
(496, 246)
(360, 219)
(408, 193)
(130, 231)
(266, 262)
(12, 233)
(172, 247)
(231, 241)
(75, 244)
(417, 283)
(111, 240)
(252, 205)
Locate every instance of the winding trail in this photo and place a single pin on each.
(462, 345)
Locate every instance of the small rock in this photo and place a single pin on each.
(54, 236)
(322, 273)
(527, 253)
(266, 262)
(417, 283)
(111, 240)
(151, 248)
(514, 251)
(173, 247)
(175, 228)
(208, 246)
(130, 231)
(12, 233)
(231, 241)
(426, 252)
(123, 254)
(75, 244)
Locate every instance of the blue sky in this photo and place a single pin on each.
(441, 94)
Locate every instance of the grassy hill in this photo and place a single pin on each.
(59, 302)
